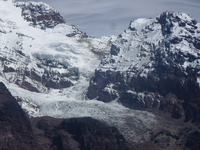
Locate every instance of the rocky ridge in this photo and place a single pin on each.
(153, 64)
(40, 14)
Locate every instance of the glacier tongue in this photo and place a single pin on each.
(60, 106)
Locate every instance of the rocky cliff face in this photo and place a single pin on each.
(153, 64)
(43, 16)
(40, 14)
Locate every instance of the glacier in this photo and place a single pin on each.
(50, 66)
(30, 55)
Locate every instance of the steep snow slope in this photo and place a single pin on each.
(48, 68)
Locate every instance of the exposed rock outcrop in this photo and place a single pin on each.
(40, 14)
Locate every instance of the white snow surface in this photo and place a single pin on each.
(17, 34)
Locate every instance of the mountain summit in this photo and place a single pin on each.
(40, 14)
(153, 64)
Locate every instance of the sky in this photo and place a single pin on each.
(111, 17)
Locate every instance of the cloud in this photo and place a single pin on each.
(103, 17)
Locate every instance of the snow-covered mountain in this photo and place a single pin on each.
(47, 65)
(153, 64)
(53, 69)
(43, 52)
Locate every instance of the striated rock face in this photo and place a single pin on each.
(153, 64)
